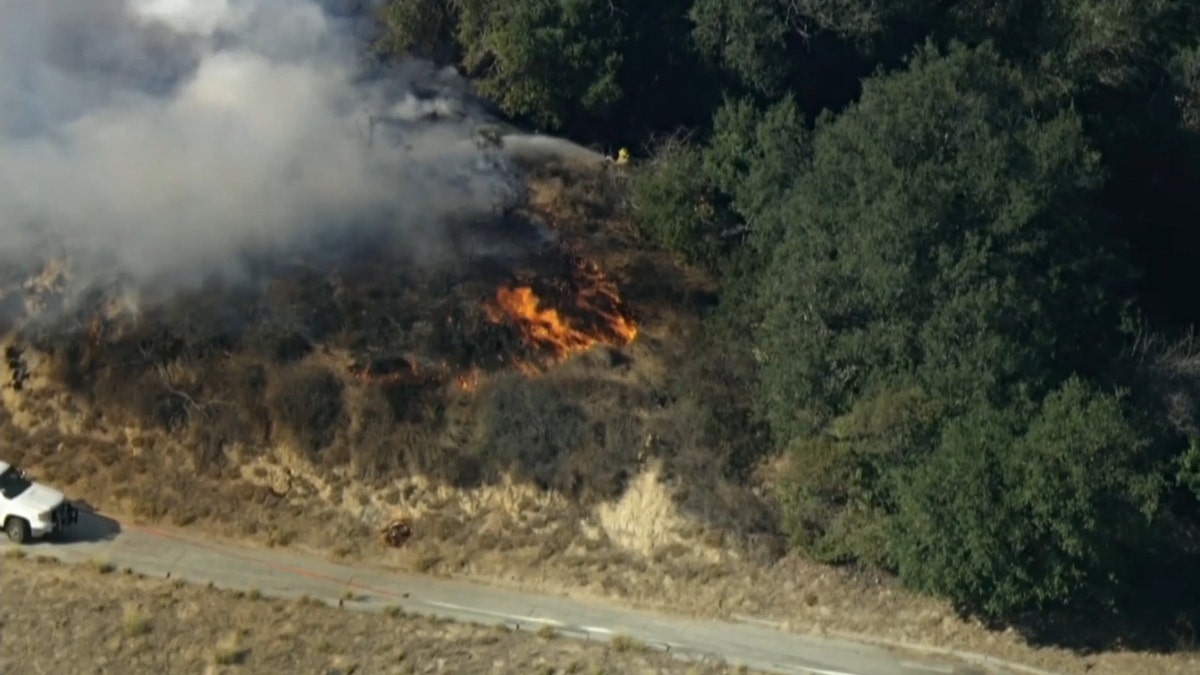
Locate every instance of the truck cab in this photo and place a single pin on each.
(31, 510)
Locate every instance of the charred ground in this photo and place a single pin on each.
(365, 364)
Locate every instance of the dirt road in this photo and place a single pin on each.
(280, 573)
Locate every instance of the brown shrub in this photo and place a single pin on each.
(306, 402)
(569, 434)
(527, 426)
(379, 447)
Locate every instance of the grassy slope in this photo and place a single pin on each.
(598, 477)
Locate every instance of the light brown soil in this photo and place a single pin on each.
(78, 619)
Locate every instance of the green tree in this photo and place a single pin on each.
(754, 155)
(673, 201)
(958, 530)
(1077, 44)
(748, 39)
(815, 51)
(1004, 518)
(1189, 468)
(942, 233)
(547, 59)
(1111, 43)
(694, 199)
(595, 68)
(425, 28)
(1185, 71)
(839, 491)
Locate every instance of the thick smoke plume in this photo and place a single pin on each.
(166, 141)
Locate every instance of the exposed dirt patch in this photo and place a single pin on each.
(103, 621)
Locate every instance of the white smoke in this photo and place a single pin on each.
(162, 139)
(200, 17)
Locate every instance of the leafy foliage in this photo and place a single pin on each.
(548, 56)
(548, 61)
(747, 38)
(423, 27)
(839, 491)
(1004, 518)
(755, 155)
(674, 196)
(1189, 469)
(941, 225)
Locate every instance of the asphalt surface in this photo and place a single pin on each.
(289, 574)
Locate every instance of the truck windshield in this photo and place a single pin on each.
(12, 483)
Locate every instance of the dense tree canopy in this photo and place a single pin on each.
(941, 236)
(1008, 514)
(943, 232)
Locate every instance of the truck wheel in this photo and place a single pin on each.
(17, 530)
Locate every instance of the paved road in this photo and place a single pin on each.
(282, 573)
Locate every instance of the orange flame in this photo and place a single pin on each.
(546, 328)
(469, 381)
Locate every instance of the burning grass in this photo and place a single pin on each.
(569, 436)
(595, 315)
(360, 371)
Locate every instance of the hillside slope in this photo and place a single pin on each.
(536, 403)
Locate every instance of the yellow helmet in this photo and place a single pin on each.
(623, 154)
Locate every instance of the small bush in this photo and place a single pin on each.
(135, 622)
(229, 652)
(624, 643)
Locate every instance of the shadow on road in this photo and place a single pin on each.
(92, 527)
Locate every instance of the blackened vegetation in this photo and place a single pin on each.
(17, 366)
(308, 405)
(542, 430)
(354, 363)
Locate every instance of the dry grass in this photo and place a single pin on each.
(197, 630)
(624, 644)
(596, 477)
(102, 566)
(228, 651)
(136, 623)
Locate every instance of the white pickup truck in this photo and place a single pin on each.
(29, 509)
